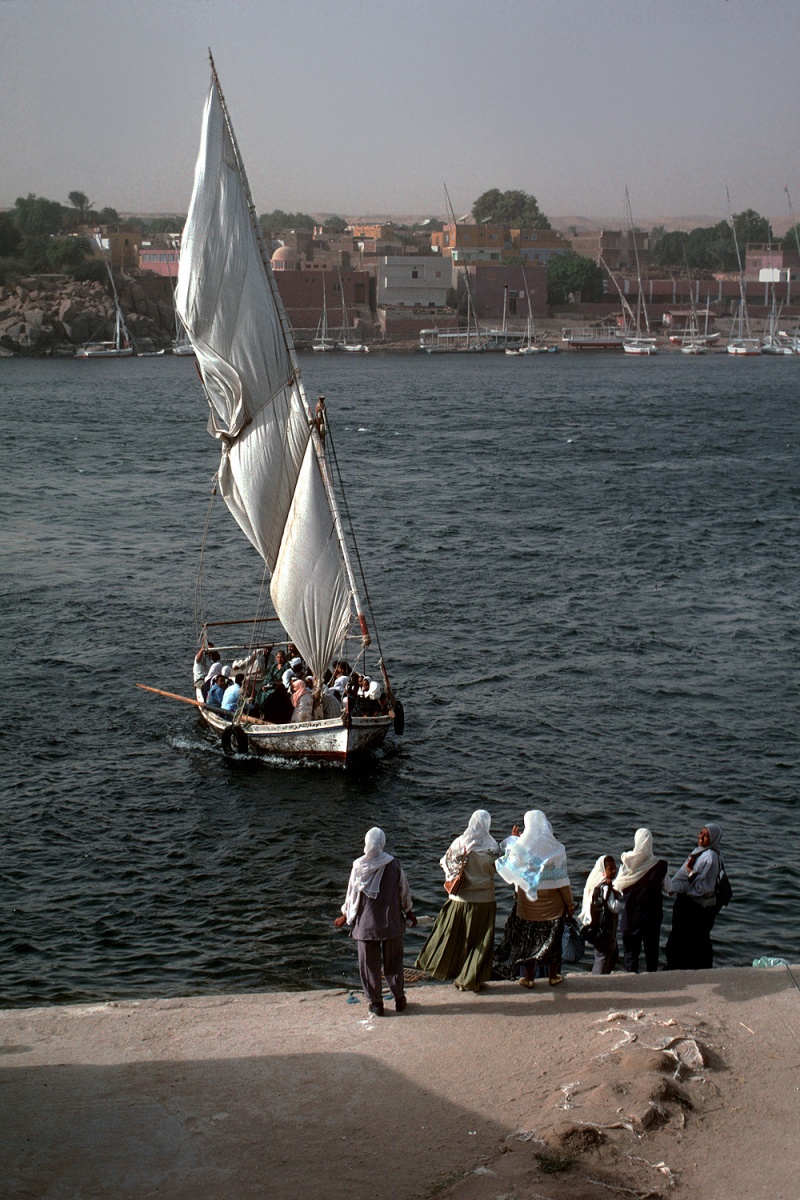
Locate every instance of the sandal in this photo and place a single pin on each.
(526, 983)
(556, 980)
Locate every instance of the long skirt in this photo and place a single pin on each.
(460, 944)
(528, 943)
(689, 946)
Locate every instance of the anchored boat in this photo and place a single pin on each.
(276, 472)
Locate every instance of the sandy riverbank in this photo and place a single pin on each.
(670, 1084)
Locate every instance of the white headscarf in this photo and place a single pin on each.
(636, 862)
(475, 837)
(367, 872)
(534, 859)
(596, 877)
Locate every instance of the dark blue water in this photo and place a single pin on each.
(585, 571)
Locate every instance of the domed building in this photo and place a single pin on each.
(285, 258)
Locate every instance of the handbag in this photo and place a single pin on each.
(452, 886)
(573, 941)
(454, 861)
(723, 892)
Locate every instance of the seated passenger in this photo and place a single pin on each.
(218, 687)
(231, 697)
(352, 702)
(302, 701)
(370, 704)
(273, 679)
(293, 671)
(330, 703)
(255, 663)
(277, 706)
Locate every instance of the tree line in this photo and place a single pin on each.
(35, 236)
(38, 234)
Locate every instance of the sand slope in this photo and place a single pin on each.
(672, 1084)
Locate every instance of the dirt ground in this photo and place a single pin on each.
(675, 1084)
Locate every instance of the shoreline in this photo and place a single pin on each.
(669, 1083)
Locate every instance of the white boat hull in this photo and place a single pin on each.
(98, 350)
(322, 741)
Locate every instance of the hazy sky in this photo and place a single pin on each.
(365, 106)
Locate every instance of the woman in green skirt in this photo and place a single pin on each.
(461, 942)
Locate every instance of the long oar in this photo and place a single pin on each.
(196, 703)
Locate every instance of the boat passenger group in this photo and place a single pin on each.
(274, 685)
(460, 947)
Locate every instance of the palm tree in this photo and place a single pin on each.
(80, 202)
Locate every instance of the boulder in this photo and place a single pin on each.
(68, 309)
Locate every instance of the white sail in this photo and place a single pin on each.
(270, 474)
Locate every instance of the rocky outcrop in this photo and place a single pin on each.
(53, 315)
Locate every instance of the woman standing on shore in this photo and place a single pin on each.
(462, 939)
(536, 864)
(642, 881)
(694, 886)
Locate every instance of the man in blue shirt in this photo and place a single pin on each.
(232, 694)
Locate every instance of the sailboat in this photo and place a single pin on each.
(628, 316)
(181, 346)
(323, 342)
(793, 339)
(742, 342)
(346, 340)
(120, 346)
(276, 472)
(773, 340)
(638, 342)
(692, 342)
(528, 346)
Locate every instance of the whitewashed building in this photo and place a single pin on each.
(410, 280)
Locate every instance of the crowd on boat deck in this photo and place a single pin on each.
(542, 930)
(275, 685)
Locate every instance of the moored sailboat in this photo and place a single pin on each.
(742, 342)
(639, 341)
(346, 340)
(275, 473)
(323, 342)
(120, 346)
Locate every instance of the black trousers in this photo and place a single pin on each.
(370, 957)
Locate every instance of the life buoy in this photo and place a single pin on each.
(399, 717)
(234, 740)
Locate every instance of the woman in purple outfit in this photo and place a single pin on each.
(378, 904)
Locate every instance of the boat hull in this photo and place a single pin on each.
(98, 350)
(329, 741)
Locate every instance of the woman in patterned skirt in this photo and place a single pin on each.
(536, 864)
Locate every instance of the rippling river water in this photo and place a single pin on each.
(585, 574)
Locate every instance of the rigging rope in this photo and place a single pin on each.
(353, 540)
(198, 588)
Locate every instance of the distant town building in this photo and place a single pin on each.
(771, 264)
(161, 260)
(615, 247)
(379, 232)
(302, 292)
(413, 281)
(497, 286)
(498, 243)
(120, 244)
